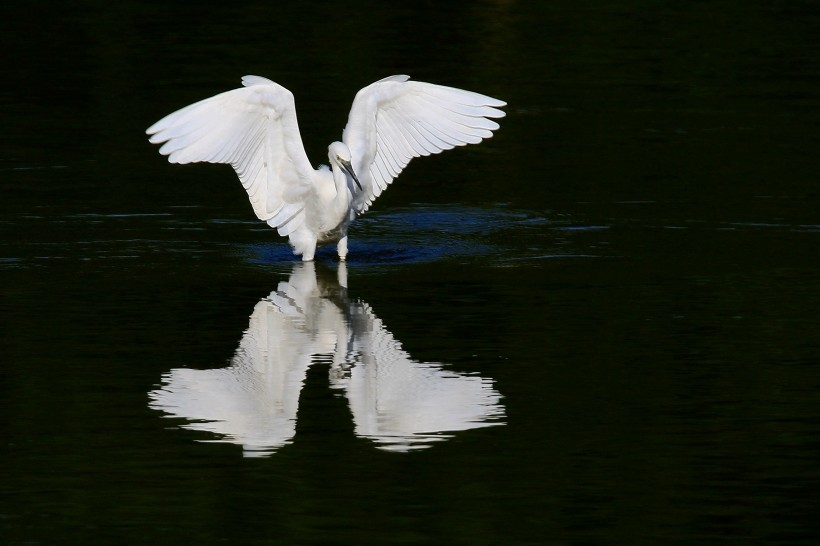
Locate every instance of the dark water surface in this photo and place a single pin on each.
(599, 327)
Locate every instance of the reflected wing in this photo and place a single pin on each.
(253, 129)
(254, 401)
(395, 120)
(403, 404)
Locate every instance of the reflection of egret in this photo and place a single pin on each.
(397, 402)
(254, 129)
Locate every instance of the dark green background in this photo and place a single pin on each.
(633, 260)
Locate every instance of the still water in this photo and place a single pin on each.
(598, 327)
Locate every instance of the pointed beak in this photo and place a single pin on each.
(349, 170)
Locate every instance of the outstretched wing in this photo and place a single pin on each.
(394, 120)
(254, 129)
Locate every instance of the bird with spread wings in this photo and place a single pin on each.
(254, 129)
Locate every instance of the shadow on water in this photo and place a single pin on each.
(397, 402)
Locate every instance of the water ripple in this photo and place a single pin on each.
(430, 233)
(495, 235)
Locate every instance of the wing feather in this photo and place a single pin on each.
(254, 129)
(394, 120)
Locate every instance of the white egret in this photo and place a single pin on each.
(254, 129)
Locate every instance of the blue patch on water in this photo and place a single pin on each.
(413, 234)
(427, 233)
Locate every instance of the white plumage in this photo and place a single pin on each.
(254, 129)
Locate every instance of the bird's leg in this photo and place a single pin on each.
(310, 251)
(341, 248)
(303, 241)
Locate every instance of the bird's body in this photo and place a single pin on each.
(254, 129)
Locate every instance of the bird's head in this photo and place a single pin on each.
(339, 155)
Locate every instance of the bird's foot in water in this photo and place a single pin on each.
(341, 248)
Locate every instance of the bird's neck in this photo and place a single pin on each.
(341, 183)
(335, 192)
